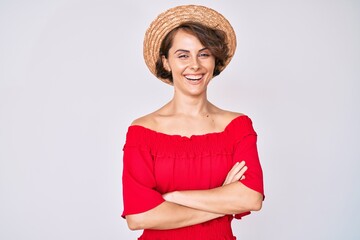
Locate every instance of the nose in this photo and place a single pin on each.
(195, 65)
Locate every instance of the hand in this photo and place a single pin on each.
(168, 196)
(236, 173)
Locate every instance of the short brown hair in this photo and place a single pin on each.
(213, 39)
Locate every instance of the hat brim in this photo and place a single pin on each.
(173, 18)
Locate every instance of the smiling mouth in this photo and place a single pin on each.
(194, 77)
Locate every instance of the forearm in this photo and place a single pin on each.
(169, 216)
(232, 198)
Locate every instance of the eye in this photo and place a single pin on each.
(183, 56)
(204, 55)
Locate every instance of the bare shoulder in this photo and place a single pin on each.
(226, 116)
(232, 115)
(148, 121)
(153, 120)
(144, 121)
(223, 117)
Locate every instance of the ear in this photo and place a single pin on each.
(165, 63)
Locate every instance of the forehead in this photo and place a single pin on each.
(186, 40)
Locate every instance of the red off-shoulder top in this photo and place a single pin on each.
(156, 163)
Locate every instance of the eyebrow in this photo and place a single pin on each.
(183, 50)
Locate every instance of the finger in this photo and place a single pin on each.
(233, 171)
(232, 175)
(236, 169)
(241, 164)
(240, 174)
(242, 177)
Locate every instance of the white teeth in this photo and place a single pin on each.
(193, 77)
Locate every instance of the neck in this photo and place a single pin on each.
(190, 105)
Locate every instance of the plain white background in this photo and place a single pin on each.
(72, 78)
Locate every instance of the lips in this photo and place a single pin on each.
(196, 77)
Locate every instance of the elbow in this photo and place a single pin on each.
(257, 205)
(255, 202)
(133, 226)
(134, 222)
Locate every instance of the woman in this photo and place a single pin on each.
(190, 167)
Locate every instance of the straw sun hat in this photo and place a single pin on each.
(174, 17)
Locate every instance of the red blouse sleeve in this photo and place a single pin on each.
(139, 194)
(246, 149)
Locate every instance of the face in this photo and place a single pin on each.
(191, 64)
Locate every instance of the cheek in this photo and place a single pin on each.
(208, 61)
(178, 66)
(210, 65)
